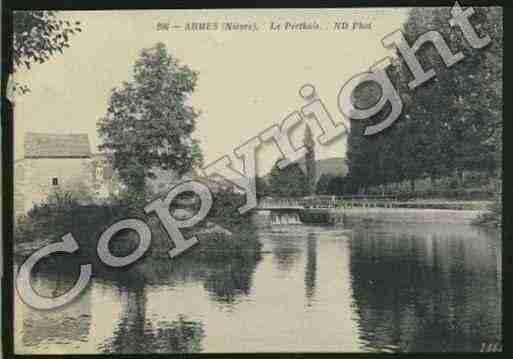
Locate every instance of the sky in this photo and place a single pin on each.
(247, 81)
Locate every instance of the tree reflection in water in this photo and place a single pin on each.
(70, 324)
(419, 290)
(286, 250)
(225, 281)
(390, 287)
(311, 268)
(136, 334)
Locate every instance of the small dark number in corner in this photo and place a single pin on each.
(491, 347)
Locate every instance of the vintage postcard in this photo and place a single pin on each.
(257, 180)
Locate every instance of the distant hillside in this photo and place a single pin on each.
(335, 166)
(165, 179)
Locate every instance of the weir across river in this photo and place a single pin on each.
(338, 209)
(318, 209)
(325, 202)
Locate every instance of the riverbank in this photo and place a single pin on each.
(443, 211)
(443, 204)
(417, 204)
(411, 215)
(222, 241)
(420, 211)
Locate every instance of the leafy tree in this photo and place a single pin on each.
(377, 159)
(338, 186)
(288, 182)
(329, 184)
(37, 36)
(148, 124)
(225, 208)
(450, 124)
(358, 155)
(323, 184)
(467, 96)
(262, 188)
(491, 91)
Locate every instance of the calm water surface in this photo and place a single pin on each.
(386, 287)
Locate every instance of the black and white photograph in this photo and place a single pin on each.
(257, 180)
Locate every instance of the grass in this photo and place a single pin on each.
(493, 217)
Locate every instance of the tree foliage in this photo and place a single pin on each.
(37, 36)
(329, 184)
(262, 188)
(288, 182)
(450, 124)
(149, 122)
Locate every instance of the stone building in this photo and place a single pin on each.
(63, 163)
(60, 163)
(105, 179)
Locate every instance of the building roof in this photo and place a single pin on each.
(52, 145)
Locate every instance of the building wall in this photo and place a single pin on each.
(105, 179)
(19, 182)
(74, 174)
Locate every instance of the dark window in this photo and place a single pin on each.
(55, 181)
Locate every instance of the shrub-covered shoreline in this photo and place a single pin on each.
(222, 235)
(493, 216)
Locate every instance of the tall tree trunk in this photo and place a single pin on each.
(311, 174)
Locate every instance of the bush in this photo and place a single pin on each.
(493, 217)
(454, 194)
(48, 222)
(476, 186)
(225, 209)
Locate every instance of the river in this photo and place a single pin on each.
(385, 287)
